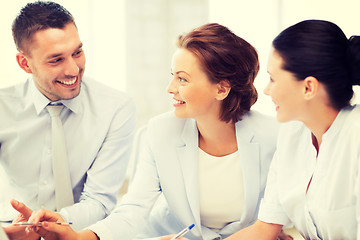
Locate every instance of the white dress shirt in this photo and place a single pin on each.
(98, 127)
(331, 207)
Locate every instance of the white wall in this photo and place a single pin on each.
(152, 28)
(10, 73)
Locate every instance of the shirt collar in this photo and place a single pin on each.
(338, 122)
(40, 101)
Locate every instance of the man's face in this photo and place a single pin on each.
(57, 62)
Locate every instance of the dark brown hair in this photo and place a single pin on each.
(320, 49)
(226, 57)
(38, 16)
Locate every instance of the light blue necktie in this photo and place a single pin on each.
(63, 189)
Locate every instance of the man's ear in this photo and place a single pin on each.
(22, 60)
(311, 87)
(223, 89)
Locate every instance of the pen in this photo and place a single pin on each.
(24, 224)
(182, 232)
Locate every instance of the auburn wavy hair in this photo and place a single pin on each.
(226, 57)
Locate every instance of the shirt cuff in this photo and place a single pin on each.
(271, 213)
(101, 230)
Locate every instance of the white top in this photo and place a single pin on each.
(221, 189)
(330, 208)
(98, 126)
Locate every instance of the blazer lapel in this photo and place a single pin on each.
(188, 159)
(249, 155)
(250, 163)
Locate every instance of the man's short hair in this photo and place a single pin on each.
(37, 16)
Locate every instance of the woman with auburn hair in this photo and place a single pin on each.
(206, 162)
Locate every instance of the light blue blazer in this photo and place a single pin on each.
(167, 173)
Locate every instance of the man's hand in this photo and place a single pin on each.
(20, 233)
(50, 230)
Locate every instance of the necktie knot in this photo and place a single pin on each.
(54, 110)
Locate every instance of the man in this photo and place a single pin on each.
(98, 122)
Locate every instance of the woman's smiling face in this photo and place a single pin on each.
(194, 94)
(285, 90)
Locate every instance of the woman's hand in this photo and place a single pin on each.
(53, 231)
(283, 236)
(19, 233)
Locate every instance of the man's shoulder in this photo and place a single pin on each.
(14, 97)
(103, 94)
(97, 88)
(17, 91)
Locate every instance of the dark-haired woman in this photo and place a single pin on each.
(208, 160)
(314, 179)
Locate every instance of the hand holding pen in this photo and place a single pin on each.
(31, 225)
(49, 225)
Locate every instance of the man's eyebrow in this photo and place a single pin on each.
(55, 55)
(80, 46)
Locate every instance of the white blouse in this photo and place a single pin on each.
(221, 189)
(331, 207)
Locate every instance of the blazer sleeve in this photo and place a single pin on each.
(131, 214)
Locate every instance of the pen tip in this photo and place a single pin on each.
(191, 226)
